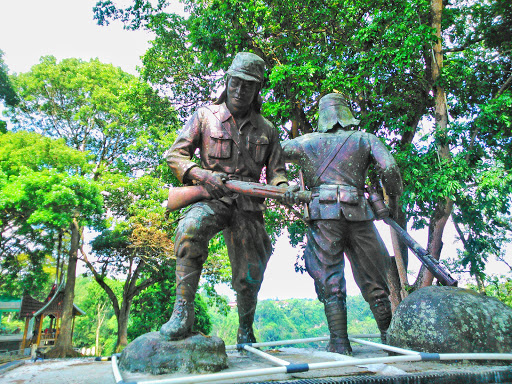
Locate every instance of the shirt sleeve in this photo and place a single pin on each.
(292, 150)
(179, 156)
(276, 170)
(386, 167)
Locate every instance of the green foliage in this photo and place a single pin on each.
(98, 312)
(98, 108)
(41, 189)
(293, 319)
(7, 92)
(31, 150)
(501, 288)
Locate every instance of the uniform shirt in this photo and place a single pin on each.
(359, 151)
(241, 152)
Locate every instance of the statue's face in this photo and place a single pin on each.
(240, 94)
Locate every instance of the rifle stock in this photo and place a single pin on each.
(180, 197)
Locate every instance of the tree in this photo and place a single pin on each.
(91, 330)
(136, 248)
(42, 186)
(7, 93)
(51, 202)
(96, 108)
(394, 60)
(479, 74)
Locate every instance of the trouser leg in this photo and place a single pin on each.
(249, 249)
(246, 304)
(182, 319)
(195, 229)
(336, 314)
(381, 309)
(325, 263)
(370, 263)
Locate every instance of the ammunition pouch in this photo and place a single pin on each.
(331, 201)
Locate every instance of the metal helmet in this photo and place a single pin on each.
(333, 108)
(247, 66)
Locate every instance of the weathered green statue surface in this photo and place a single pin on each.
(335, 162)
(234, 142)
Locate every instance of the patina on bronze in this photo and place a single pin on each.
(180, 197)
(335, 163)
(235, 142)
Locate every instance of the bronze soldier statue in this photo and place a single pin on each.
(335, 161)
(235, 142)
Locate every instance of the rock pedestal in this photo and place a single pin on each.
(153, 354)
(451, 320)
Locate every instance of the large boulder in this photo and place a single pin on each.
(450, 320)
(153, 354)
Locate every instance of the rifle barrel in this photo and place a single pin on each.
(425, 257)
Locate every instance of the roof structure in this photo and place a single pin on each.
(52, 305)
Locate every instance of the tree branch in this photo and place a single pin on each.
(100, 280)
(463, 47)
(507, 84)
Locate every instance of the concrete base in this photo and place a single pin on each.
(153, 354)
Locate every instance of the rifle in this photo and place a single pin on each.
(433, 265)
(180, 197)
(425, 257)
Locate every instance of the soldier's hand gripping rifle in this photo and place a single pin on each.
(180, 197)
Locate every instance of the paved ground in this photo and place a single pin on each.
(88, 371)
(69, 371)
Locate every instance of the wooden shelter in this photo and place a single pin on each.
(35, 311)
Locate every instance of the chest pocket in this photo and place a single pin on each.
(258, 147)
(220, 145)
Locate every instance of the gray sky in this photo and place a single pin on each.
(30, 29)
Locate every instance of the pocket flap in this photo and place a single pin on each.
(219, 135)
(348, 195)
(328, 194)
(258, 140)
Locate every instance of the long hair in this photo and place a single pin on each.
(255, 105)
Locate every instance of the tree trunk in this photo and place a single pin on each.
(394, 285)
(101, 318)
(63, 344)
(443, 208)
(122, 325)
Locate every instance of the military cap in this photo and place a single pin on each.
(247, 66)
(333, 108)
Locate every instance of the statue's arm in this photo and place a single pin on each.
(386, 167)
(292, 150)
(179, 156)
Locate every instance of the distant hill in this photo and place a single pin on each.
(294, 319)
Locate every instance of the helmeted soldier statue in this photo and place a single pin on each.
(335, 162)
(234, 142)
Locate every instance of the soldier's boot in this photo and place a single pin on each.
(246, 304)
(336, 313)
(182, 319)
(381, 309)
